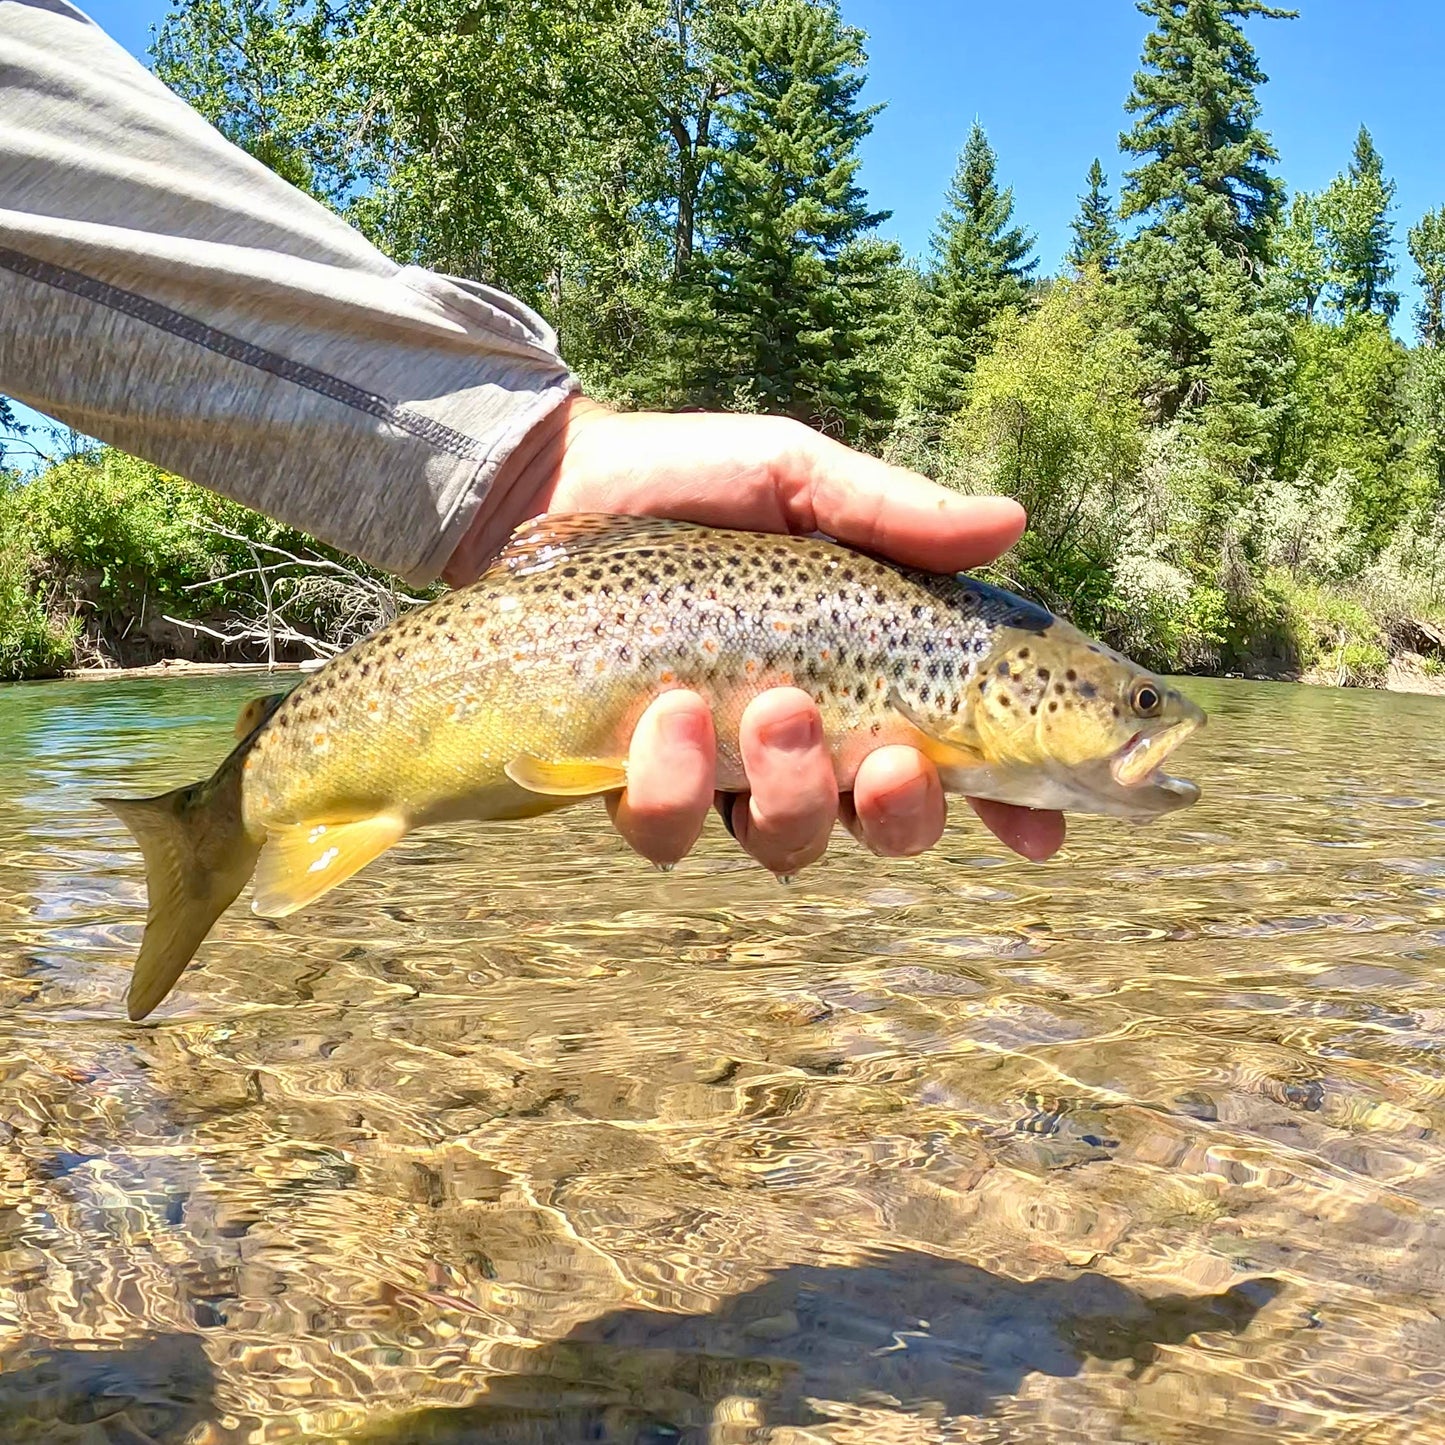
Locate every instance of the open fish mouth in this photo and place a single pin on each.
(1140, 762)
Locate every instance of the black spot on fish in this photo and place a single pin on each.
(1071, 675)
(1087, 689)
(1002, 669)
(1023, 654)
(1043, 674)
(1053, 707)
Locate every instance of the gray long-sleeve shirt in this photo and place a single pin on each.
(163, 291)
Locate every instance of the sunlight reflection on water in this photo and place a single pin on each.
(511, 1139)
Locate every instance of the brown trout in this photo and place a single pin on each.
(519, 694)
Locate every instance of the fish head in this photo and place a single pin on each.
(1060, 721)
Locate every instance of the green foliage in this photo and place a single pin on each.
(787, 298)
(253, 68)
(1227, 458)
(1344, 417)
(1357, 235)
(981, 269)
(32, 642)
(1334, 637)
(1301, 269)
(1096, 231)
(1198, 112)
(1427, 250)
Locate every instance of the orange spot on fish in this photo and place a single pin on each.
(658, 629)
(709, 645)
(750, 667)
(668, 677)
(781, 626)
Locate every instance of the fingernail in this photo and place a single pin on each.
(786, 879)
(904, 799)
(794, 734)
(683, 727)
(664, 867)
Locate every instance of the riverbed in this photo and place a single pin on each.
(513, 1139)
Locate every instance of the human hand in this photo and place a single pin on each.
(763, 474)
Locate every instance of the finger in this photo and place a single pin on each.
(1035, 833)
(898, 803)
(864, 501)
(671, 764)
(785, 819)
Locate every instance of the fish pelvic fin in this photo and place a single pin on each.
(568, 777)
(302, 861)
(198, 857)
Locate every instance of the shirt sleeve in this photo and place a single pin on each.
(165, 292)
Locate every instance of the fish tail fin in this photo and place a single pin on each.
(198, 857)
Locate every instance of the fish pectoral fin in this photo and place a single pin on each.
(952, 756)
(300, 862)
(941, 754)
(567, 777)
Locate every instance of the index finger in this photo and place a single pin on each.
(899, 514)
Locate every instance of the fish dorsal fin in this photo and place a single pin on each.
(567, 777)
(545, 541)
(300, 862)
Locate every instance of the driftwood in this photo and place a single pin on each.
(288, 581)
(1415, 634)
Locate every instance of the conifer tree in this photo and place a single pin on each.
(1299, 257)
(788, 291)
(1096, 233)
(1427, 250)
(981, 267)
(1358, 235)
(1209, 204)
(1196, 100)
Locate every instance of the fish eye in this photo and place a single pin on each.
(1145, 699)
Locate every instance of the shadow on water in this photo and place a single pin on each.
(149, 1392)
(906, 1331)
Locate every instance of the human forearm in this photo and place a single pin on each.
(163, 291)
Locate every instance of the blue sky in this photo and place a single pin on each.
(1048, 79)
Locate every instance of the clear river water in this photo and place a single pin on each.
(512, 1139)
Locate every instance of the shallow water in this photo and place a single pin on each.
(512, 1139)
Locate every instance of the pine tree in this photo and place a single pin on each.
(1209, 204)
(1358, 235)
(1198, 111)
(981, 268)
(1427, 250)
(788, 290)
(1299, 258)
(1096, 233)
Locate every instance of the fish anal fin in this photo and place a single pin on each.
(301, 861)
(567, 777)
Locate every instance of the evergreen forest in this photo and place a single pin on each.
(1230, 442)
